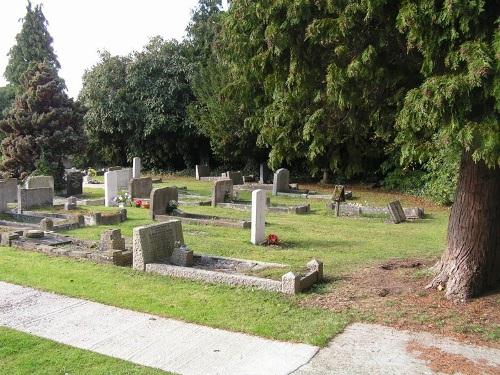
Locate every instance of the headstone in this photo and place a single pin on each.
(182, 256)
(155, 243)
(338, 193)
(31, 198)
(111, 239)
(136, 167)
(222, 190)
(236, 177)
(70, 204)
(259, 205)
(396, 212)
(8, 192)
(249, 178)
(110, 188)
(159, 200)
(140, 187)
(35, 182)
(202, 171)
(114, 181)
(264, 173)
(74, 183)
(290, 283)
(281, 181)
(47, 224)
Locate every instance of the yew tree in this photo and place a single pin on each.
(457, 108)
(42, 127)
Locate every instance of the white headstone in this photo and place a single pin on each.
(136, 169)
(110, 188)
(257, 233)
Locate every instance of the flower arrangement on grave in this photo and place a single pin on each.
(172, 206)
(273, 239)
(123, 199)
(91, 174)
(145, 204)
(138, 203)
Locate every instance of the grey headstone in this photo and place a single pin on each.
(155, 243)
(159, 199)
(396, 212)
(236, 177)
(202, 171)
(281, 181)
(74, 183)
(221, 190)
(111, 239)
(264, 173)
(31, 198)
(140, 187)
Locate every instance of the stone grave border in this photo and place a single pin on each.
(349, 209)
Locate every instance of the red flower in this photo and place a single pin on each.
(138, 203)
(273, 239)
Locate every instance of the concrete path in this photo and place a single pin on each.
(146, 339)
(374, 349)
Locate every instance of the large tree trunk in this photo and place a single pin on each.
(471, 262)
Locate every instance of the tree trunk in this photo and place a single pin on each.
(471, 262)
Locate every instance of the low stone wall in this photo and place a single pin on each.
(290, 283)
(207, 220)
(348, 209)
(300, 209)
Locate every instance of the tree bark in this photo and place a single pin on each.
(470, 264)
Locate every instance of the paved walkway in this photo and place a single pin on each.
(187, 348)
(146, 339)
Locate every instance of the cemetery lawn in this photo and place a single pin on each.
(352, 249)
(21, 353)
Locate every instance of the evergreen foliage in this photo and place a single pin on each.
(43, 126)
(33, 44)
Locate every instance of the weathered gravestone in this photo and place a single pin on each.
(222, 191)
(338, 196)
(281, 181)
(111, 239)
(74, 183)
(35, 182)
(70, 204)
(264, 173)
(202, 171)
(113, 182)
(155, 243)
(259, 206)
(136, 167)
(236, 177)
(159, 200)
(8, 192)
(140, 187)
(396, 212)
(37, 197)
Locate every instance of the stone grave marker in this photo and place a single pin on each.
(36, 197)
(222, 190)
(136, 167)
(110, 188)
(281, 181)
(111, 239)
(140, 187)
(70, 204)
(35, 182)
(155, 243)
(259, 206)
(202, 171)
(159, 199)
(396, 212)
(236, 177)
(74, 183)
(8, 192)
(338, 196)
(264, 173)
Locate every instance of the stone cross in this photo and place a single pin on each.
(281, 181)
(136, 169)
(257, 233)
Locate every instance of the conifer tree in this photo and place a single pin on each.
(42, 127)
(33, 44)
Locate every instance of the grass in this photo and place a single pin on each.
(238, 309)
(21, 353)
(344, 244)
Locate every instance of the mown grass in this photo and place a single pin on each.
(21, 353)
(344, 244)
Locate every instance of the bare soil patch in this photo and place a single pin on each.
(393, 293)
